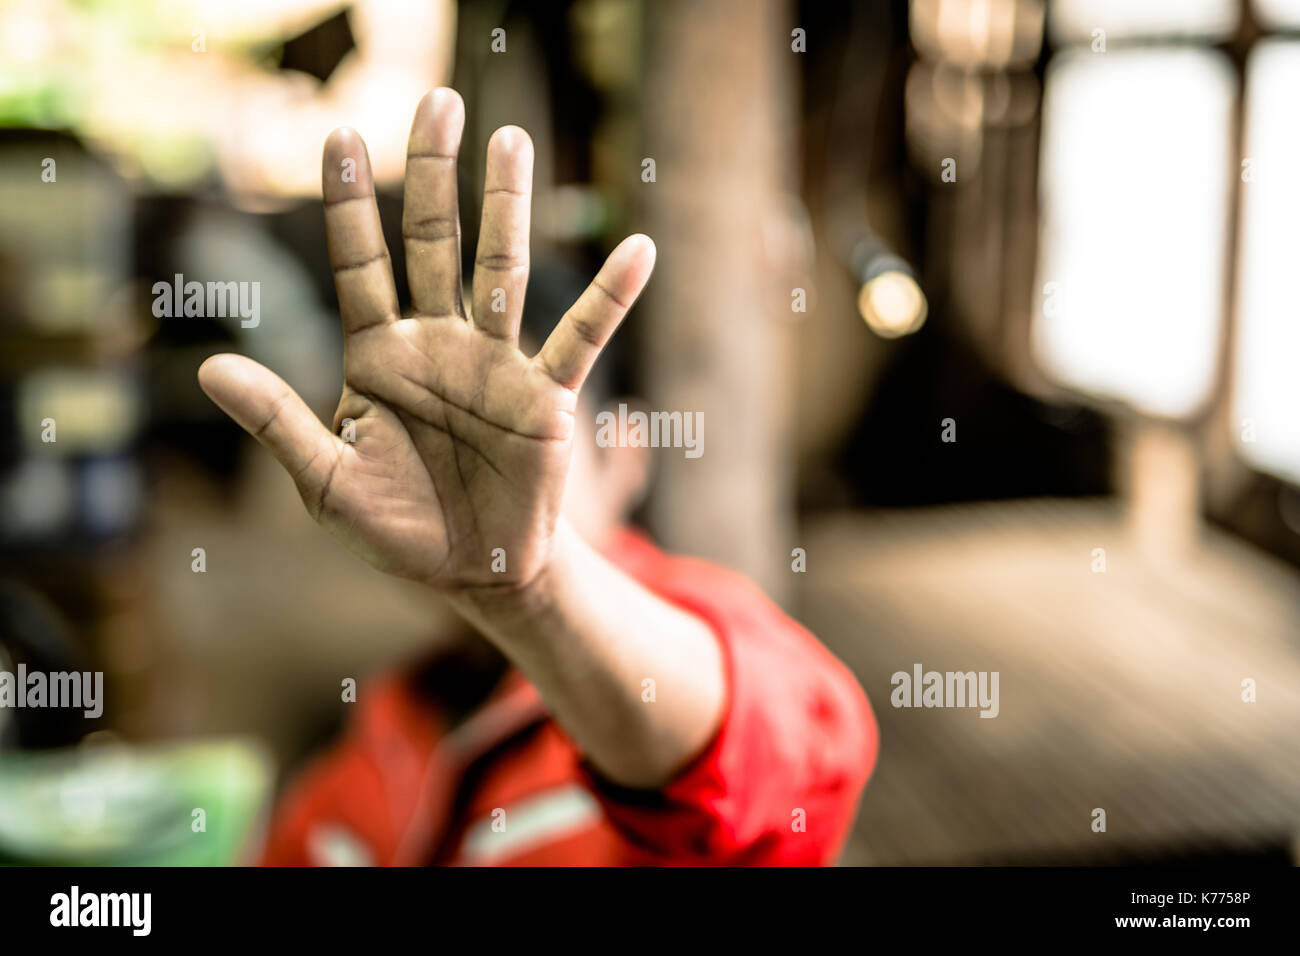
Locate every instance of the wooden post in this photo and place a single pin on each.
(719, 129)
(1161, 477)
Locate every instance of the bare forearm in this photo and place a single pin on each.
(589, 637)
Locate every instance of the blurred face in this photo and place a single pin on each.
(604, 484)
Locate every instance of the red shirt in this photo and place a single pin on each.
(778, 784)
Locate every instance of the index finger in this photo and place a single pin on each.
(363, 274)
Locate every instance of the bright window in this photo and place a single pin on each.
(1266, 390)
(1135, 172)
(1075, 20)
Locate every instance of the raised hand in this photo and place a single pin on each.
(462, 442)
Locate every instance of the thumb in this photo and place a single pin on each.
(268, 409)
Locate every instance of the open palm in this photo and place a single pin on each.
(458, 443)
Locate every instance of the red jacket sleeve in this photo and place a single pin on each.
(780, 782)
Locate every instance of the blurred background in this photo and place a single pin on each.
(990, 306)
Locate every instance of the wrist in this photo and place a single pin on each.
(497, 606)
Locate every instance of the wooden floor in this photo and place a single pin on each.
(1119, 690)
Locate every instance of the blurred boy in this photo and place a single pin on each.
(653, 709)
